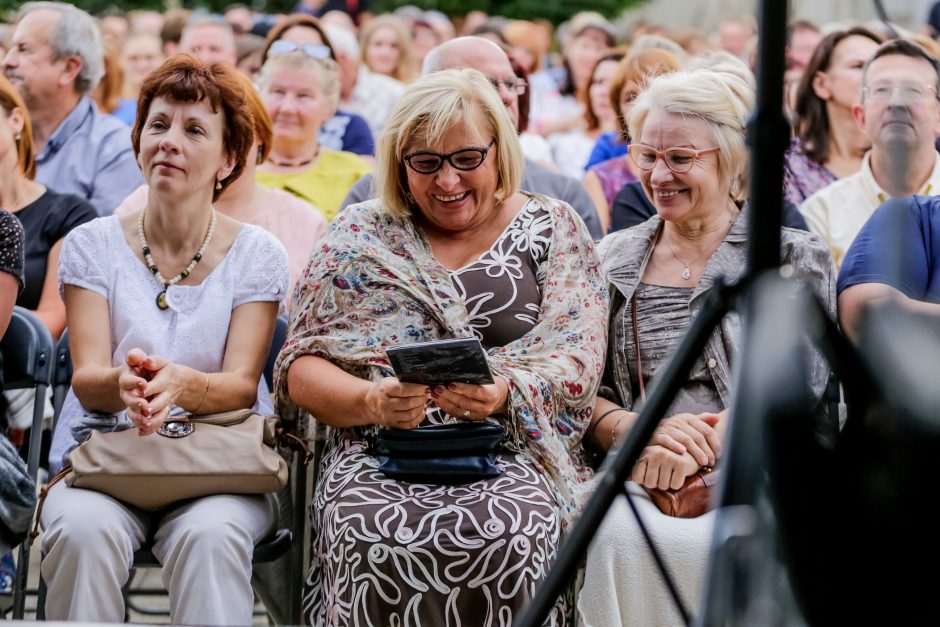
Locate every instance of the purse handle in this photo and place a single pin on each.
(636, 345)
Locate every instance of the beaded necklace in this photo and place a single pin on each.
(185, 272)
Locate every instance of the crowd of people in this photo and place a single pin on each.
(171, 183)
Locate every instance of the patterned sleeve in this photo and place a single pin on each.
(266, 270)
(11, 246)
(84, 258)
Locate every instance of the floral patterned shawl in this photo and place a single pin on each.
(373, 282)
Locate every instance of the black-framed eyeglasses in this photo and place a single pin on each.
(513, 85)
(465, 159)
(314, 51)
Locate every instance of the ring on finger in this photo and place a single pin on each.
(466, 413)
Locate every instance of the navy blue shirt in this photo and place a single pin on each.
(349, 132)
(910, 263)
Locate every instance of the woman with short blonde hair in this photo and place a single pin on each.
(301, 94)
(425, 112)
(449, 249)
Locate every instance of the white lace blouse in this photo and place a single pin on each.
(194, 330)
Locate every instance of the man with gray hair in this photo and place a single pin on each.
(489, 59)
(55, 61)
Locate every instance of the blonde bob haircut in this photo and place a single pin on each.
(721, 99)
(429, 108)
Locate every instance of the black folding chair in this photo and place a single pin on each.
(27, 349)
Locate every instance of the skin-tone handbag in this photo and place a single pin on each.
(693, 499)
(225, 453)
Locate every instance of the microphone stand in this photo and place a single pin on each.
(768, 137)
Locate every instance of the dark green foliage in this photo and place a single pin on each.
(554, 10)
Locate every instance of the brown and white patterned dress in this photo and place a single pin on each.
(392, 553)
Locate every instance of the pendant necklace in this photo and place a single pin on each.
(185, 272)
(687, 271)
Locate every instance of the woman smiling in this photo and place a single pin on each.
(451, 248)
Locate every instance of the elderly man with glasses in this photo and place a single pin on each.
(900, 113)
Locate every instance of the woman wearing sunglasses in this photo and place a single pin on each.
(299, 86)
(344, 130)
(450, 248)
(689, 147)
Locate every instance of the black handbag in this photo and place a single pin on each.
(445, 454)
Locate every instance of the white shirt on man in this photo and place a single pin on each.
(838, 211)
(374, 97)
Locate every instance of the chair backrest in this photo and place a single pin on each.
(61, 376)
(27, 349)
(280, 336)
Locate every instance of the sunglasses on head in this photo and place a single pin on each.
(314, 51)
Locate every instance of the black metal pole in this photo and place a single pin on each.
(768, 137)
(617, 467)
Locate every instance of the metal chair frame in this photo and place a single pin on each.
(27, 349)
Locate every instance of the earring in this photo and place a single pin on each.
(18, 136)
(218, 184)
(735, 187)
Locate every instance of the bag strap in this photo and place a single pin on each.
(292, 441)
(43, 493)
(654, 550)
(636, 345)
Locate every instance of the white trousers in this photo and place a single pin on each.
(204, 546)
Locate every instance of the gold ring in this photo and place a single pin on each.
(466, 413)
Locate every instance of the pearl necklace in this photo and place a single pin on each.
(185, 272)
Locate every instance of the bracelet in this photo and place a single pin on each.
(600, 418)
(204, 395)
(613, 430)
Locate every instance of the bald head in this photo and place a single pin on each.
(479, 54)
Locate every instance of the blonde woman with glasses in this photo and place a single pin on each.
(688, 131)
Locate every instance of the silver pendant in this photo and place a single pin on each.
(161, 301)
(687, 273)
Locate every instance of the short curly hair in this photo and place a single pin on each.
(185, 79)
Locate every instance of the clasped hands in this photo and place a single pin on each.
(149, 386)
(680, 446)
(392, 403)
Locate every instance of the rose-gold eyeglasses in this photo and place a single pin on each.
(679, 160)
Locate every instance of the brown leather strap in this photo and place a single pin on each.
(295, 443)
(636, 345)
(43, 493)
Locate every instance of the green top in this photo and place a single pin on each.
(325, 184)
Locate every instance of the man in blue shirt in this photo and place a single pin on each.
(55, 60)
(895, 256)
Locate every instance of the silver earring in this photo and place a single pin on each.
(18, 136)
(734, 187)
